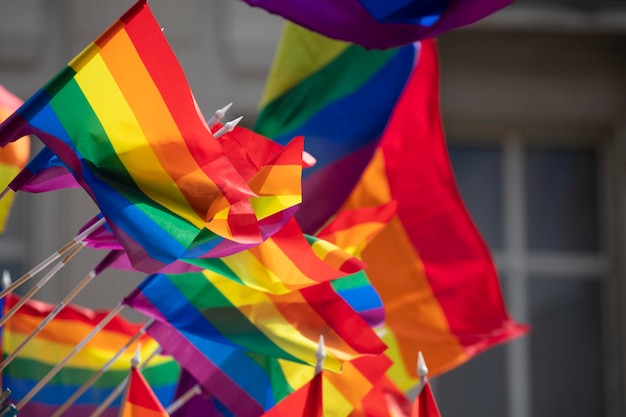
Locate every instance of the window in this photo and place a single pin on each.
(538, 207)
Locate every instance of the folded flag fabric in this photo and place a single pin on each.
(287, 326)
(425, 404)
(430, 265)
(122, 119)
(140, 400)
(381, 24)
(386, 400)
(12, 157)
(307, 401)
(57, 339)
(339, 96)
(45, 172)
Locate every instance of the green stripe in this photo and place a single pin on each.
(356, 280)
(30, 369)
(202, 293)
(88, 135)
(346, 74)
(280, 386)
(215, 265)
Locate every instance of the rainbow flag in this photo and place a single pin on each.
(247, 385)
(140, 400)
(57, 339)
(381, 24)
(12, 158)
(122, 119)
(339, 96)
(386, 400)
(430, 265)
(208, 305)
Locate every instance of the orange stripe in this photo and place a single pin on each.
(157, 122)
(333, 342)
(412, 311)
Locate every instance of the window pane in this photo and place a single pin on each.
(478, 174)
(475, 389)
(566, 348)
(562, 199)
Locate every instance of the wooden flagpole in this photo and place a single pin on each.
(86, 280)
(65, 249)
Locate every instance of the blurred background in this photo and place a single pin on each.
(534, 108)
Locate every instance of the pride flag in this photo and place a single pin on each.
(381, 24)
(287, 326)
(122, 119)
(430, 265)
(12, 158)
(339, 96)
(140, 400)
(56, 340)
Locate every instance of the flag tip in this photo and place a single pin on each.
(136, 359)
(219, 114)
(422, 370)
(320, 355)
(6, 279)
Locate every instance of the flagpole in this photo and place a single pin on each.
(4, 193)
(57, 309)
(115, 311)
(101, 371)
(65, 249)
(118, 390)
(183, 399)
(43, 281)
(320, 355)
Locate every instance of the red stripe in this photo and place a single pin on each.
(456, 260)
(343, 319)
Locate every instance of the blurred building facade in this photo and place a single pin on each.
(534, 107)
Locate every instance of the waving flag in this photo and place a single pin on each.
(381, 24)
(140, 400)
(122, 119)
(430, 265)
(339, 96)
(287, 326)
(56, 340)
(13, 157)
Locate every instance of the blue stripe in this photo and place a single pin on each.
(358, 119)
(362, 298)
(140, 227)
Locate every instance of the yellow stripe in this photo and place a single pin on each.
(246, 266)
(398, 370)
(334, 403)
(261, 310)
(300, 53)
(89, 357)
(128, 139)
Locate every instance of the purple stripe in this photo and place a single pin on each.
(205, 371)
(34, 409)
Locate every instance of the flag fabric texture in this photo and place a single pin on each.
(381, 24)
(57, 339)
(425, 404)
(12, 157)
(339, 96)
(430, 265)
(122, 119)
(140, 400)
(307, 401)
(287, 326)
